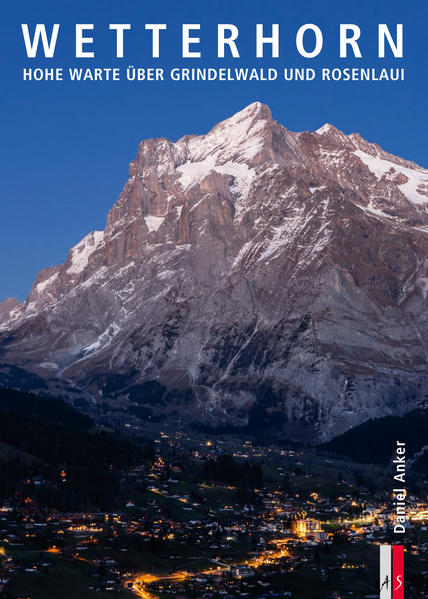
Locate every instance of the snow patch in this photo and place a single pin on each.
(80, 253)
(99, 274)
(154, 222)
(370, 210)
(49, 365)
(42, 286)
(282, 236)
(314, 189)
(417, 178)
(193, 173)
(103, 340)
(167, 274)
(242, 252)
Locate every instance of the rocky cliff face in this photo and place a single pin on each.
(251, 273)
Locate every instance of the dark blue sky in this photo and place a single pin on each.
(66, 146)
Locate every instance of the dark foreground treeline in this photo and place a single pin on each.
(374, 441)
(52, 410)
(53, 454)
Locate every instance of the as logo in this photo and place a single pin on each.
(391, 573)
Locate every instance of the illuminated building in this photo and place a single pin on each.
(306, 527)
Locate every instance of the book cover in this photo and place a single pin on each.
(213, 302)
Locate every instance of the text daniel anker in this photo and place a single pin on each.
(400, 493)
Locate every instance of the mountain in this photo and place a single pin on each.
(249, 275)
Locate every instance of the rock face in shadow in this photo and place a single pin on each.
(250, 275)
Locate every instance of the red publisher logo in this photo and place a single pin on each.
(391, 579)
(398, 572)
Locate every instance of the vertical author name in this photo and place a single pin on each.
(400, 493)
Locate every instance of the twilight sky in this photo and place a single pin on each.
(66, 146)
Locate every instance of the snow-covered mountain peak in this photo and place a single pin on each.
(324, 129)
(245, 269)
(241, 138)
(254, 111)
